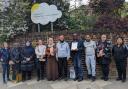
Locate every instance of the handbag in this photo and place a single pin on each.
(72, 72)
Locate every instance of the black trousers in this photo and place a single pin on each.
(105, 70)
(26, 75)
(121, 65)
(62, 67)
(40, 69)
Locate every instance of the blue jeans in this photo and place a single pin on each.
(77, 65)
(6, 69)
(91, 64)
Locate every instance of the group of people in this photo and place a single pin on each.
(54, 57)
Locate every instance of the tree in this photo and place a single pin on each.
(110, 15)
(106, 6)
(81, 18)
(14, 19)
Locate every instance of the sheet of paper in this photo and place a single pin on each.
(74, 45)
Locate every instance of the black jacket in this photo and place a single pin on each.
(80, 48)
(120, 52)
(106, 46)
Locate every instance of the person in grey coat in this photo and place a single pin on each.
(90, 47)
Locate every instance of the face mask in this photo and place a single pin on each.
(87, 40)
(61, 41)
(27, 44)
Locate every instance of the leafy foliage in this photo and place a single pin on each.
(106, 6)
(80, 19)
(110, 14)
(14, 19)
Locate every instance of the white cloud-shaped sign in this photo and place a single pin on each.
(44, 13)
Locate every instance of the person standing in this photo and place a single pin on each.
(120, 54)
(0, 51)
(62, 55)
(52, 67)
(5, 58)
(76, 50)
(16, 62)
(40, 51)
(27, 63)
(104, 56)
(90, 47)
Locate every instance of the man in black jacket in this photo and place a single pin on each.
(120, 54)
(104, 55)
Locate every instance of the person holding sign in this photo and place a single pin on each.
(76, 49)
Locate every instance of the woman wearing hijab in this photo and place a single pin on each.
(52, 67)
(27, 63)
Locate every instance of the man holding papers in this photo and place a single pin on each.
(76, 49)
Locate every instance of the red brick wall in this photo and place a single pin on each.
(68, 37)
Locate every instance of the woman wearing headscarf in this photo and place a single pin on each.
(27, 62)
(52, 67)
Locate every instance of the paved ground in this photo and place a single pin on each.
(86, 84)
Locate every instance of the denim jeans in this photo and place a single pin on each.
(6, 69)
(77, 65)
(91, 64)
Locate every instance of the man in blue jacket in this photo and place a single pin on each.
(76, 50)
(5, 57)
(62, 55)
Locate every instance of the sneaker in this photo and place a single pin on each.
(65, 79)
(75, 79)
(60, 78)
(93, 78)
(102, 78)
(4, 82)
(89, 76)
(9, 79)
(38, 79)
(123, 80)
(80, 79)
(106, 79)
(118, 79)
